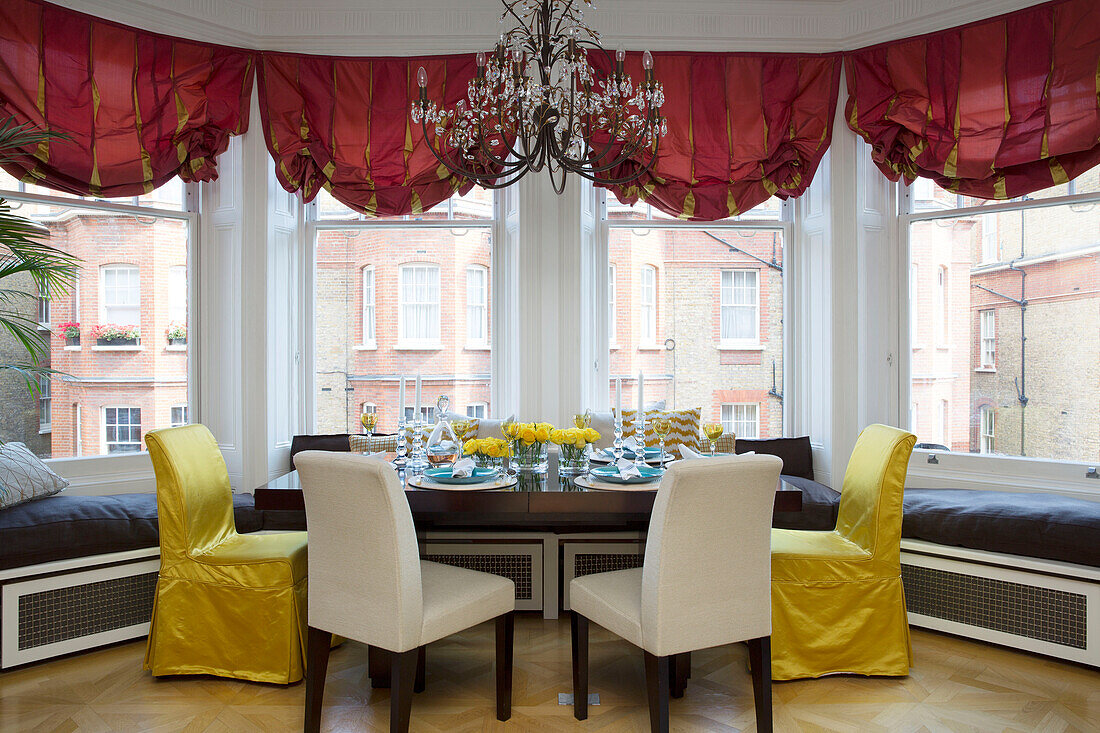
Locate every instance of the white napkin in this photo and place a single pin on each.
(434, 437)
(463, 468)
(627, 469)
(687, 453)
(630, 444)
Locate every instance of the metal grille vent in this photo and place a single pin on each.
(1054, 616)
(60, 614)
(604, 562)
(515, 567)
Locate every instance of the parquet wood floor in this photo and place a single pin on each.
(956, 685)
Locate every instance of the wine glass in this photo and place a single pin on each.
(584, 420)
(713, 431)
(460, 428)
(662, 426)
(370, 422)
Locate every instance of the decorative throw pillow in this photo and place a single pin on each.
(684, 427)
(483, 427)
(24, 477)
(604, 424)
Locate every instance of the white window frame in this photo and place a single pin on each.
(647, 309)
(996, 471)
(45, 406)
(987, 340)
(477, 312)
(731, 420)
(104, 306)
(750, 342)
(943, 306)
(172, 416)
(987, 430)
(420, 343)
(991, 244)
(103, 430)
(368, 333)
(612, 331)
(45, 308)
(367, 408)
(477, 406)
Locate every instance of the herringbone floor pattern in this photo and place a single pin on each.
(955, 686)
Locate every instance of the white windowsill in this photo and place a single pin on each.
(990, 472)
(138, 347)
(987, 370)
(613, 347)
(651, 347)
(735, 346)
(72, 348)
(418, 346)
(43, 327)
(367, 346)
(478, 346)
(45, 430)
(170, 347)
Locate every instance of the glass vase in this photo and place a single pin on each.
(530, 457)
(573, 460)
(484, 461)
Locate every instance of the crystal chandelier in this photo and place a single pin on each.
(537, 102)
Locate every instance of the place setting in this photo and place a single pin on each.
(463, 475)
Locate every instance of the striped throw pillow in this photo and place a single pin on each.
(685, 428)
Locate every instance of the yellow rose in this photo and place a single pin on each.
(591, 435)
(542, 433)
(580, 443)
(469, 447)
(527, 435)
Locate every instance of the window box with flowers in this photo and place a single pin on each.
(71, 332)
(109, 334)
(177, 334)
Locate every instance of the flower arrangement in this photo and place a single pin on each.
(530, 440)
(573, 443)
(487, 451)
(176, 332)
(70, 329)
(111, 332)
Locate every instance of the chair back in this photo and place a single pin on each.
(364, 564)
(706, 578)
(870, 510)
(194, 498)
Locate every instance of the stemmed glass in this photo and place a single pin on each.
(583, 421)
(370, 422)
(713, 431)
(662, 426)
(509, 434)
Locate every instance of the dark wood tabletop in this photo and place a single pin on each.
(538, 503)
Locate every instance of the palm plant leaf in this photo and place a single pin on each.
(16, 138)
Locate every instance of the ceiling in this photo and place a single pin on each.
(407, 27)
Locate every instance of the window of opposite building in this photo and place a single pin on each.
(1013, 293)
(45, 405)
(742, 420)
(122, 429)
(697, 309)
(477, 409)
(179, 416)
(399, 296)
(132, 281)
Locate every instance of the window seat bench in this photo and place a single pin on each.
(78, 572)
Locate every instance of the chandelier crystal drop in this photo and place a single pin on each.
(536, 102)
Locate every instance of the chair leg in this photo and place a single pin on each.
(679, 669)
(421, 653)
(318, 643)
(378, 667)
(760, 661)
(402, 681)
(505, 637)
(656, 681)
(578, 628)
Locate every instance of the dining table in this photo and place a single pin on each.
(546, 501)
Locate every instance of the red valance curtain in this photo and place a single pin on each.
(741, 128)
(138, 108)
(996, 109)
(343, 124)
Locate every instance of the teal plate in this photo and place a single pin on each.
(651, 454)
(443, 476)
(611, 474)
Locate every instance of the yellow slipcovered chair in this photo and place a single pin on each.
(226, 604)
(838, 605)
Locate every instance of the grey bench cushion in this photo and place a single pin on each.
(819, 507)
(67, 526)
(1047, 526)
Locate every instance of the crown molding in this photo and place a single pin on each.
(393, 27)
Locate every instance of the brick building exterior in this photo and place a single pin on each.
(22, 413)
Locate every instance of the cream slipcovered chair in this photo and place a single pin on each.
(704, 581)
(226, 604)
(368, 583)
(838, 605)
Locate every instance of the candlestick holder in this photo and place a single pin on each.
(419, 459)
(402, 443)
(639, 439)
(617, 444)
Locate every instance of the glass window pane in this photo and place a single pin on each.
(431, 291)
(1010, 364)
(717, 317)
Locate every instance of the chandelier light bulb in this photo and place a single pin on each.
(517, 55)
(422, 78)
(647, 61)
(620, 55)
(480, 58)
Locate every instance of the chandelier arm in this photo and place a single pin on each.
(509, 9)
(458, 168)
